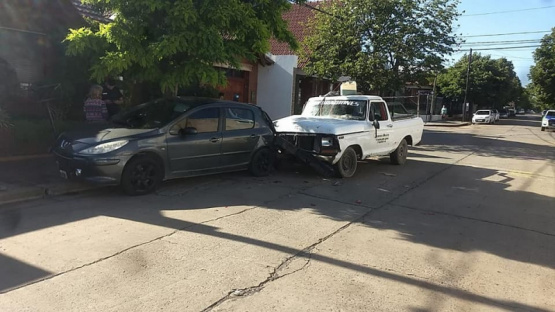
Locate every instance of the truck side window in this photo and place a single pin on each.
(378, 111)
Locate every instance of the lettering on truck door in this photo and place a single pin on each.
(383, 139)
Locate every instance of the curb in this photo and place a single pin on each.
(39, 192)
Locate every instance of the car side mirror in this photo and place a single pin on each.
(376, 124)
(189, 131)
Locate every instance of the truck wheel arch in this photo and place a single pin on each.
(408, 138)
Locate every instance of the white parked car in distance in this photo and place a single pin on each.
(548, 120)
(341, 130)
(483, 116)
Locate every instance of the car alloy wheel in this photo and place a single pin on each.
(262, 162)
(142, 175)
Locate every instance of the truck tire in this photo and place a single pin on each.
(543, 129)
(347, 164)
(399, 156)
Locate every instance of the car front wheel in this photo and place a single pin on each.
(142, 175)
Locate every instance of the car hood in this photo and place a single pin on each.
(94, 135)
(302, 124)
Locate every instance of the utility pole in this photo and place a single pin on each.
(418, 105)
(467, 78)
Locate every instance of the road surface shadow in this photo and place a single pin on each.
(376, 185)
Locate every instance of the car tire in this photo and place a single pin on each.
(142, 175)
(543, 129)
(399, 155)
(262, 162)
(347, 164)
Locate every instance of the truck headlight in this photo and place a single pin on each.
(327, 141)
(104, 148)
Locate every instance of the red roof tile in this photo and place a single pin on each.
(296, 18)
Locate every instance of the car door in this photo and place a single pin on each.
(240, 135)
(382, 138)
(194, 142)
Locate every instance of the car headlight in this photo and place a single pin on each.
(104, 148)
(327, 141)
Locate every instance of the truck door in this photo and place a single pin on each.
(383, 137)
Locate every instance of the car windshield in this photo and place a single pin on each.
(482, 112)
(155, 114)
(550, 114)
(336, 108)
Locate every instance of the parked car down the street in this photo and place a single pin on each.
(483, 116)
(169, 138)
(503, 113)
(548, 120)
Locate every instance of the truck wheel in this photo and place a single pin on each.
(543, 129)
(399, 156)
(142, 175)
(347, 164)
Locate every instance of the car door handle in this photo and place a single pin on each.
(215, 140)
(390, 126)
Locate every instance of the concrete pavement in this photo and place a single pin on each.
(465, 225)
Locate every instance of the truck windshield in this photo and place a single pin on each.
(335, 108)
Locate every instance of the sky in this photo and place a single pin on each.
(486, 17)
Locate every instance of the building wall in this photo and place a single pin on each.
(275, 86)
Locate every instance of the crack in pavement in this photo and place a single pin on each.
(159, 238)
(244, 292)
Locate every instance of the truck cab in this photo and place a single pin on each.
(344, 129)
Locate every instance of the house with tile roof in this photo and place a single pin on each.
(284, 87)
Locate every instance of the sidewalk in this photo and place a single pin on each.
(446, 123)
(33, 177)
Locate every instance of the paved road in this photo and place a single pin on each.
(466, 225)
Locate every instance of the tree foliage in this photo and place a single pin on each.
(380, 43)
(542, 73)
(492, 82)
(177, 42)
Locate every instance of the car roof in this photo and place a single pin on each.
(201, 101)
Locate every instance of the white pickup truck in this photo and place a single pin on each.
(344, 129)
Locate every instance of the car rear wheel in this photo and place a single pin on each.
(347, 164)
(262, 162)
(399, 156)
(543, 128)
(142, 175)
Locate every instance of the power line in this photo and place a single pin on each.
(502, 42)
(506, 48)
(508, 34)
(510, 11)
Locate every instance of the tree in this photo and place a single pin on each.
(542, 73)
(492, 82)
(177, 42)
(382, 44)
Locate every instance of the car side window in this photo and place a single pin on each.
(204, 121)
(377, 111)
(238, 119)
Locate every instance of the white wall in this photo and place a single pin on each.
(275, 86)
